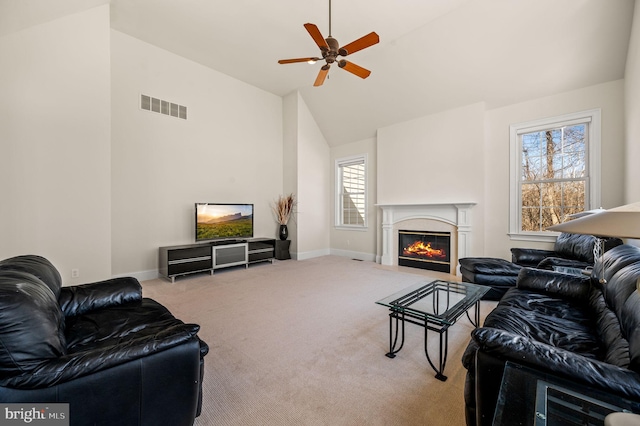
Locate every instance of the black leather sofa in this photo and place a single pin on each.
(112, 355)
(566, 326)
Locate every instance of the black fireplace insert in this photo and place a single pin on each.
(425, 250)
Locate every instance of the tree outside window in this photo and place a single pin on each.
(554, 175)
(555, 172)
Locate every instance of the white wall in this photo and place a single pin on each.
(55, 144)
(306, 175)
(632, 112)
(229, 150)
(436, 159)
(290, 154)
(608, 97)
(357, 244)
(312, 213)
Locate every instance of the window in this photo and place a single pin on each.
(554, 172)
(351, 192)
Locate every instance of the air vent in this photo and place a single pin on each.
(149, 103)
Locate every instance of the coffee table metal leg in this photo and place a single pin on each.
(442, 352)
(393, 338)
(475, 323)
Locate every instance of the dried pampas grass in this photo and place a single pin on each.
(283, 208)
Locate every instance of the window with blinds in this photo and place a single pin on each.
(351, 192)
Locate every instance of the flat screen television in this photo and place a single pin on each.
(215, 221)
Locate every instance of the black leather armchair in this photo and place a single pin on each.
(114, 356)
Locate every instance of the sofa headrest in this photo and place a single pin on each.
(31, 323)
(575, 246)
(38, 266)
(580, 247)
(620, 267)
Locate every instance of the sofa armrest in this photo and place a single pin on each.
(552, 360)
(529, 257)
(556, 283)
(77, 300)
(83, 363)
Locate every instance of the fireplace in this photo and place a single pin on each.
(449, 217)
(425, 250)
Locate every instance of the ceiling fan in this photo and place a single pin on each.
(330, 50)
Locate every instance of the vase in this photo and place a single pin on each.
(284, 232)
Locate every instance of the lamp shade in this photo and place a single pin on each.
(586, 213)
(620, 222)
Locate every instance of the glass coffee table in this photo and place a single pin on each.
(436, 306)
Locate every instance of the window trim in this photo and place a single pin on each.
(339, 162)
(593, 117)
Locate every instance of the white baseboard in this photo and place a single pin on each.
(142, 275)
(367, 257)
(310, 254)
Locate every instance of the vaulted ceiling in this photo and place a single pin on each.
(433, 55)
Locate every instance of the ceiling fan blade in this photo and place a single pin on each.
(321, 75)
(359, 44)
(315, 33)
(354, 69)
(293, 61)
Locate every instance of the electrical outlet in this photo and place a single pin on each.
(75, 273)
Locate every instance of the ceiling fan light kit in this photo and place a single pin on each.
(330, 50)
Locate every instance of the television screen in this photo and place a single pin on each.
(223, 221)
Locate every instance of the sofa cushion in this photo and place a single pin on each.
(489, 266)
(529, 257)
(631, 327)
(499, 274)
(499, 284)
(93, 360)
(110, 326)
(574, 287)
(551, 263)
(31, 323)
(555, 321)
(615, 345)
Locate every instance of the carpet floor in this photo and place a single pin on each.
(303, 342)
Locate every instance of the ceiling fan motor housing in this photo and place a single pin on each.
(331, 55)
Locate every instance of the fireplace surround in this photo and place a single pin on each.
(453, 217)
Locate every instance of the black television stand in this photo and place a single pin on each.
(186, 259)
(225, 242)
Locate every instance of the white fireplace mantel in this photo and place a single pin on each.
(456, 214)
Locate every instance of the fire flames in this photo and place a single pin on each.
(419, 248)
